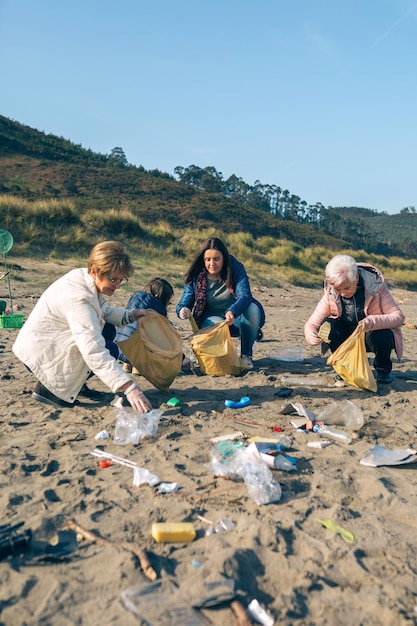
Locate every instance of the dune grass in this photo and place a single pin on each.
(56, 229)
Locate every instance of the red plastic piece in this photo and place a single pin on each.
(104, 464)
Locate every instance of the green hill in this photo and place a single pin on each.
(36, 166)
(58, 199)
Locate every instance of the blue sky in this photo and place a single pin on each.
(316, 96)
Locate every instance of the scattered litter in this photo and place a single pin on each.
(230, 437)
(117, 401)
(345, 534)
(319, 444)
(132, 426)
(173, 532)
(258, 613)
(103, 434)
(301, 380)
(161, 603)
(378, 456)
(116, 459)
(245, 401)
(104, 464)
(295, 407)
(224, 525)
(270, 454)
(174, 402)
(343, 413)
(168, 487)
(290, 353)
(282, 440)
(228, 460)
(141, 475)
(331, 432)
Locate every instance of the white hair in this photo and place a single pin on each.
(341, 268)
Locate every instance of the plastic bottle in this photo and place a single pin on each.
(353, 415)
(333, 433)
(343, 413)
(300, 380)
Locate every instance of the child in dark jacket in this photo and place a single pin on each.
(156, 295)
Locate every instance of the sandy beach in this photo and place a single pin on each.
(300, 570)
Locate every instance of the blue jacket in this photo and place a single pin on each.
(241, 288)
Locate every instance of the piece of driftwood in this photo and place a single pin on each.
(239, 610)
(90, 536)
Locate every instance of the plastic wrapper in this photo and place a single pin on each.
(379, 456)
(223, 526)
(161, 604)
(132, 426)
(230, 460)
(141, 476)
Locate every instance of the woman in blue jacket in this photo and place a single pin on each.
(216, 289)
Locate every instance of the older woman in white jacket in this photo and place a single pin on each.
(61, 342)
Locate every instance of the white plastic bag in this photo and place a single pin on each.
(132, 426)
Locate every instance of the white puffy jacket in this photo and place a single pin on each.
(61, 341)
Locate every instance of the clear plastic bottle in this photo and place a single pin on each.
(300, 380)
(333, 433)
(343, 413)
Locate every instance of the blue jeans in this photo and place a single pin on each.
(246, 326)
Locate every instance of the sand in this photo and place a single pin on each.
(302, 572)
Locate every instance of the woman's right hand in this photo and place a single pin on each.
(137, 398)
(184, 313)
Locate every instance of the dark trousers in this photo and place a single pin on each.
(109, 333)
(380, 342)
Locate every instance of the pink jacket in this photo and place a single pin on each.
(380, 307)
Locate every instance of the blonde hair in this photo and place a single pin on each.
(340, 269)
(108, 256)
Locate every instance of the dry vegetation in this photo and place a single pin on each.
(57, 230)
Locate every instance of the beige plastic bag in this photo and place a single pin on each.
(350, 361)
(155, 349)
(215, 351)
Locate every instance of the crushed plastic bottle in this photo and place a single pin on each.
(343, 413)
(333, 433)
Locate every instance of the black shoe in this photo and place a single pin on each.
(385, 378)
(86, 392)
(41, 394)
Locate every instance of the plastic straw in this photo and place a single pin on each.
(114, 458)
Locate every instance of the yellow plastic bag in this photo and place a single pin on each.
(350, 361)
(155, 349)
(215, 351)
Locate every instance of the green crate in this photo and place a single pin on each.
(11, 321)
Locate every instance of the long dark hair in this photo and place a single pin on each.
(197, 265)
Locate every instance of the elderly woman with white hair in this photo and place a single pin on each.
(356, 293)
